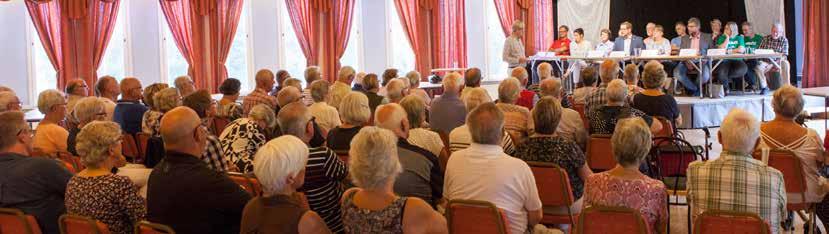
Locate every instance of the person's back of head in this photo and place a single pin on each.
(631, 74)
(370, 82)
(295, 119)
(546, 115)
(14, 133)
(414, 79)
(287, 95)
(230, 87)
(388, 75)
(521, 74)
(167, 99)
(281, 76)
(739, 132)
(616, 91)
(373, 163)
(345, 75)
(486, 124)
(392, 116)
(653, 75)
(588, 76)
(293, 82)
(354, 109)
(264, 79)
(130, 89)
(319, 90)
(184, 84)
(474, 98)
(263, 116)
(452, 83)
(631, 141)
(9, 101)
(97, 144)
(201, 102)
(509, 90)
(394, 90)
(545, 70)
(103, 84)
(609, 70)
(550, 88)
(149, 94)
(76, 86)
(415, 110)
(312, 74)
(787, 101)
(88, 109)
(279, 162)
(181, 131)
(472, 77)
(48, 100)
(5, 89)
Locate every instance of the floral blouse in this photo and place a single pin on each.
(151, 122)
(563, 152)
(645, 195)
(240, 141)
(112, 199)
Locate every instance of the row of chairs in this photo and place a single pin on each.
(14, 221)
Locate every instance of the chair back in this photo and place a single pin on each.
(14, 221)
(76, 224)
(343, 155)
(605, 219)
(795, 181)
(600, 152)
(555, 191)
(470, 216)
(579, 107)
(141, 139)
(70, 159)
(722, 222)
(250, 185)
(667, 127)
(219, 124)
(146, 227)
(129, 147)
(673, 155)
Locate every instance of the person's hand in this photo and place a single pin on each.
(522, 60)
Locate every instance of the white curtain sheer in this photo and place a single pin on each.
(763, 13)
(590, 15)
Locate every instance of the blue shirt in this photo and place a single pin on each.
(128, 114)
(677, 41)
(447, 113)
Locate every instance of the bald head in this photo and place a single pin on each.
(178, 130)
(131, 89)
(288, 95)
(472, 77)
(392, 117)
(264, 80)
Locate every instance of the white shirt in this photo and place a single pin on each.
(580, 49)
(326, 116)
(426, 139)
(486, 173)
(627, 44)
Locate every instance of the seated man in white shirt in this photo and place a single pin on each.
(484, 172)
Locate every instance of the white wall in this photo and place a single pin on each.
(13, 48)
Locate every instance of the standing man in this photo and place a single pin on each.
(700, 41)
(752, 41)
(626, 41)
(513, 53)
(777, 42)
(129, 111)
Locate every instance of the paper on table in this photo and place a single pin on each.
(713, 52)
(617, 54)
(649, 53)
(595, 54)
(688, 52)
(763, 51)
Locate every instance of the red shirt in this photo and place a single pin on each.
(561, 43)
(526, 99)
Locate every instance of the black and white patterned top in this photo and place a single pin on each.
(359, 220)
(213, 154)
(561, 151)
(229, 111)
(240, 140)
(603, 118)
(150, 122)
(112, 199)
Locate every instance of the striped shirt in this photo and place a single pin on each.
(213, 155)
(460, 138)
(322, 187)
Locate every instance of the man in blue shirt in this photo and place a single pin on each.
(129, 111)
(680, 32)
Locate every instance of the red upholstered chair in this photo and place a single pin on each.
(14, 221)
(219, 125)
(722, 222)
(247, 182)
(75, 161)
(75, 224)
(795, 181)
(129, 147)
(600, 153)
(141, 139)
(554, 189)
(146, 227)
(480, 217)
(602, 220)
(667, 127)
(579, 107)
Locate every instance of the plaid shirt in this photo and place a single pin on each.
(737, 183)
(258, 96)
(779, 45)
(597, 98)
(213, 156)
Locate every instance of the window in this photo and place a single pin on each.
(174, 63)
(402, 56)
(494, 41)
(114, 62)
(44, 75)
(237, 59)
(293, 59)
(351, 56)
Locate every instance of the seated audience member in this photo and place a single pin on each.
(484, 172)
(184, 85)
(625, 185)
(325, 115)
(164, 100)
(701, 42)
(545, 71)
(95, 192)
(183, 192)
(419, 134)
(421, 176)
(281, 77)
(87, 109)
(324, 170)
(525, 98)
(312, 74)
(603, 118)
(731, 69)
(395, 90)
(608, 71)
(259, 95)
(373, 206)
(517, 118)
(355, 114)
(588, 86)
(385, 78)
(5, 89)
(547, 146)
(290, 95)
(280, 168)
(372, 86)
(129, 110)
(50, 136)
(204, 106)
(783, 133)
(358, 82)
(341, 87)
(652, 101)
(570, 126)
(293, 82)
(153, 112)
(9, 101)
(414, 79)
(777, 42)
(242, 137)
(471, 79)
(631, 77)
(75, 90)
(107, 89)
(34, 185)
(448, 107)
(735, 181)
(605, 44)
(228, 108)
(460, 138)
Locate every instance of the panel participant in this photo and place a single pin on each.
(700, 41)
(626, 41)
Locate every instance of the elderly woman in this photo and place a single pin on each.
(414, 78)
(372, 86)
(279, 165)
(784, 133)
(228, 107)
(546, 146)
(395, 90)
(624, 185)
(603, 118)
(242, 137)
(325, 115)
(373, 207)
(460, 137)
(163, 101)
(95, 192)
(652, 100)
(355, 113)
(419, 134)
(87, 109)
(516, 118)
(50, 136)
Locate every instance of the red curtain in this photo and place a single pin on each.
(74, 34)
(538, 21)
(545, 30)
(414, 18)
(337, 28)
(449, 37)
(815, 20)
(223, 23)
(187, 28)
(306, 22)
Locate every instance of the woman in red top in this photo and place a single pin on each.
(561, 45)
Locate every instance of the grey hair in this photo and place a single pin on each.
(312, 74)
(6, 97)
(293, 82)
(486, 124)
(654, 75)
(264, 113)
(280, 158)
(631, 141)
(374, 162)
(181, 81)
(739, 131)
(354, 109)
(345, 73)
(616, 91)
(550, 87)
(95, 141)
(509, 90)
(394, 89)
(787, 101)
(415, 110)
(293, 119)
(517, 25)
(49, 98)
(546, 115)
(452, 82)
(414, 79)
(475, 97)
(87, 109)
(167, 99)
(319, 90)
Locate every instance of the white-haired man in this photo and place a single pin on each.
(107, 88)
(264, 85)
(9, 101)
(342, 86)
(421, 176)
(185, 85)
(735, 181)
(776, 41)
(448, 111)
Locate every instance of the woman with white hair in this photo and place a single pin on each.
(395, 90)
(460, 137)
(325, 115)
(355, 113)
(373, 207)
(163, 101)
(419, 134)
(414, 78)
(87, 109)
(625, 185)
(95, 192)
(516, 118)
(50, 136)
(242, 137)
(280, 167)
(603, 118)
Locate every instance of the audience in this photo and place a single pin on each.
(293, 82)
(484, 172)
(152, 108)
(9, 101)
(386, 77)
(87, 109)
(631, 77)
(129, 110)
(107, 88)
(526, 98)
(371, 86)
(280, 168)
(312, 74)
(373, 206)
(182, 192)
(414, 79)
(448, 107)
(259, 95)
(184, 85)
(325, 115)
(75, 90)
(358, 82)
(164, 100)
(608, 71)
(281, 76)
(34, 185)
(471, 79)
(355, 113)
(205, 108)
(50, 136)
(419, 133)
(588, 86)
(603, 118)
(652, 101)
(341, 87)
(395, 90)
(228, 108)
(242, 137)
(95, 192)
(735, 181)
(516, 118)
(570, 126)
(625, 185)
(460, 138)
(288, 95)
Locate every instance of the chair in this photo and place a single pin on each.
(129, 148)
(146, 227)
(141, 139)
(470, 216)
(342, 154)
(76, 224)
(443, 158)
(795, 181)
(604, 219)
(15, 221)
(67, 157)
(250, 185)
(579, 107)
(554, 189)
(670, 157)
(667, 130)
(718, 221)
(600, 153)
(219, 125)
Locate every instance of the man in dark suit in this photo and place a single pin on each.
(626, 41)
(695, 39)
